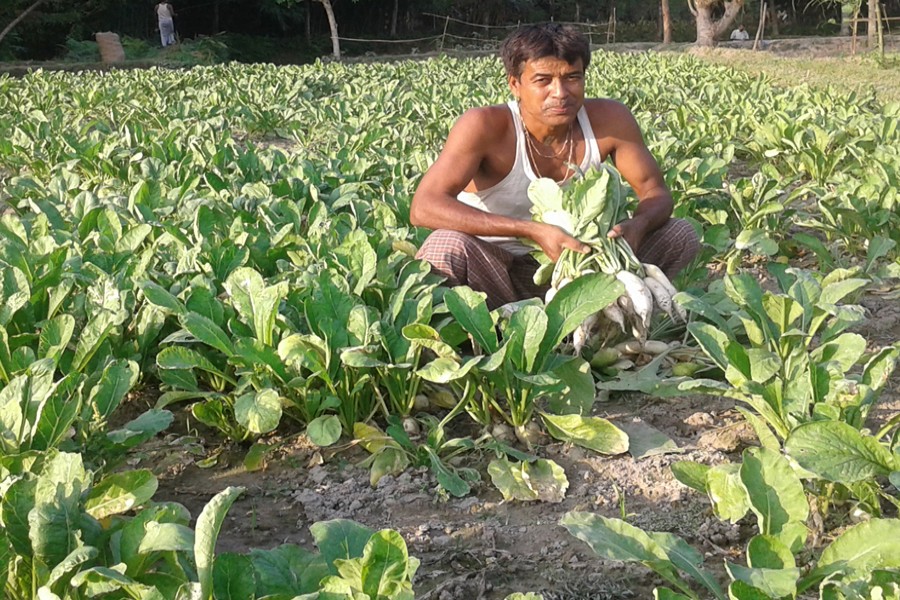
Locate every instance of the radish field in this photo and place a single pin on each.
(223, 374)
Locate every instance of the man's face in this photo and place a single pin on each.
(550, 89)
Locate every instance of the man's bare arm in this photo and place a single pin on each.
(640, 170)
(435, 203)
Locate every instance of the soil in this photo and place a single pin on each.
(480, 546)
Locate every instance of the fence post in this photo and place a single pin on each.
(880, 16)
(444, 35)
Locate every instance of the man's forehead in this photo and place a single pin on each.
(551, 64)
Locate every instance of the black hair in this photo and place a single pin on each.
(538, 41)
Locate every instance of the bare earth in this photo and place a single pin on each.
(480, 546)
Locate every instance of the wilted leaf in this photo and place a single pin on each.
(540, 480)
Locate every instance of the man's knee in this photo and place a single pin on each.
(442, 244)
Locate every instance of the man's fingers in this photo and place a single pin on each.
(577, 246)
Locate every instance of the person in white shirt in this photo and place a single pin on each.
(740, 34)
(165, 12)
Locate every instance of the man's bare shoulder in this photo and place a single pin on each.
(486, 120)
(606, 110)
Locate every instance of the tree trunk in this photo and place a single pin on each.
(666, 22)
(16, 21)
(308, 28)
(847, 10)
(394, 18)
(872, 28)
(773, 17)
(215, 17)
(332, 25)
(708, 29)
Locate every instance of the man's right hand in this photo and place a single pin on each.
(554, 240)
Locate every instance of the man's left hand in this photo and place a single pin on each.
(632, 230)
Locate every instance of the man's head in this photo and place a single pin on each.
(741, 27)
(539, 41)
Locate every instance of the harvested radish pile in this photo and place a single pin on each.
(587, 210)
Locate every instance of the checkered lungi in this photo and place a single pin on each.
(467, 260)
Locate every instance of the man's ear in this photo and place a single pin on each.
(514, 84)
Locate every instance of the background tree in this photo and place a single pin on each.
(710, 28)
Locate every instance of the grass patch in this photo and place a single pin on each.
(860, 73)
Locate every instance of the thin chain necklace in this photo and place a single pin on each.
(568, 161)
(536, 150)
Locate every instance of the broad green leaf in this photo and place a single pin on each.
(769, 552)
(92, 336)
(167, 537)
(727, 493)
(14, 292)
(388, 461)
(141, 429)
(256, 302)
(259, 412)
(97, 581)
(447, 477)
(255, 459)
(234, 577)
(120, 492)
(873, 544)
(289, 570)
(340, 539)
(776, 583)
(54, 520)
(593, 433)
(765, 436)
(179, 358)
(688, 560)
(738, 590)
(775, 492)
(206, 331)
(207, 532)
(384, 564)
(132, 239)
(691, 474)
(445, 370)
(713, 342)
(55, 336)
(159, 296)
(324, 431)
(837, 452)
(542, 480)
(578, 395)
(525, 332)
(17, 503)
(75, 559)
(614, 539)
(469, 309)
(134, 531)
(644, 440)
(117, 380)
(585, 296)
(13, 423)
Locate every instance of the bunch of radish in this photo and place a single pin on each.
(587, 209)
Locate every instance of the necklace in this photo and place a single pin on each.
(568, 162)
(536, 150)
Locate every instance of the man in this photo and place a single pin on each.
(475, 195)
(740, 34)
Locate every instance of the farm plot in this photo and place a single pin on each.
(209, 302)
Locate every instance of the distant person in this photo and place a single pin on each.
(740, 34)
(165, 12)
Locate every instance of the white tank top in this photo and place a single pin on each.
(510, 196)
(162, 10)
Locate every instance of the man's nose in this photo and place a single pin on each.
(558, 89)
